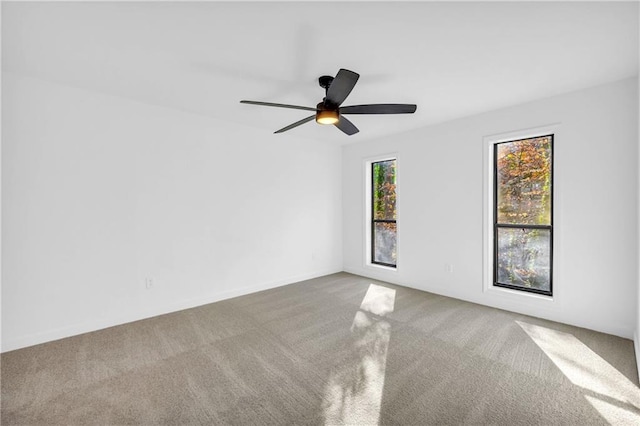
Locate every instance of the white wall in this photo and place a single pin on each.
(440, 216)
(100, 193)
(637, 332)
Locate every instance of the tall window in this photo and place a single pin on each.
(523, 214)
(383, 213)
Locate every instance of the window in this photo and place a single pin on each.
(523, 214)
(384, 234)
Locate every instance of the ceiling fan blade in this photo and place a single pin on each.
(346, 126)
(296, 124)
(278, 105)
(379, 109)
(341, 86)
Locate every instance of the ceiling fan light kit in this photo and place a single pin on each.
(327, 116)
(329, 110)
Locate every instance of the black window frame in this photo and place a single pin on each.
(374, 220)
(497, 225)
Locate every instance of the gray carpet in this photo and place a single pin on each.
(340, 349)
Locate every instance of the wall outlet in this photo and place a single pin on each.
(448, 267)
(148, 283)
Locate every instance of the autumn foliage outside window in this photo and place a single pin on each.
(523, 227)
(383, 213)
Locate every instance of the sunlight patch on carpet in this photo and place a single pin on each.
(614, 396)
(379, 300)
(353, 394)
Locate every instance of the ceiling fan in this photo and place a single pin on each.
(329, 110)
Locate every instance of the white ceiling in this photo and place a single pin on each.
(451, 59)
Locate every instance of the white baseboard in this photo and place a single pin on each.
(636, 346)
(376, 274)
(552, 315)
(86, 327)
(73, 330)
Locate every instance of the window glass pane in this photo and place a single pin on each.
(524, 181)
(524, 257)
(384, 238)
(384, 190)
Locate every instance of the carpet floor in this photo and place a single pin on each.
(340, 349)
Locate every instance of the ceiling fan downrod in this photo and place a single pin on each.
(325, 82)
